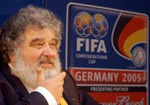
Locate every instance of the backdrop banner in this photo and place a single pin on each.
(107, 51)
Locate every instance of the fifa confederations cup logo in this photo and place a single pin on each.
(85, 25)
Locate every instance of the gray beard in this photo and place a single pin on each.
(26, 71)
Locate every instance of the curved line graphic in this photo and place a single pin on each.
(136, 24)
(137, 37)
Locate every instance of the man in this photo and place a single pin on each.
(31, 73)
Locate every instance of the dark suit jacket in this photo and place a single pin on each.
(13, 92)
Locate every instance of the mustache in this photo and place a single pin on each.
(43, 59)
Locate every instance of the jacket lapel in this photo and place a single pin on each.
(14, 81)
(70, 93)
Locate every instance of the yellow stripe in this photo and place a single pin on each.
(139, 36)
(63, 101)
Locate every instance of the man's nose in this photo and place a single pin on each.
(48, 51)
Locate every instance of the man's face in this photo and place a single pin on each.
(37, 44)
(37, 51)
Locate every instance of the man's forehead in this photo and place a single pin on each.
(42, 39)
(42, 34)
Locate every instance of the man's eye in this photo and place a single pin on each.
(38, 45)
(53, 45)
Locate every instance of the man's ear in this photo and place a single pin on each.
(11, 57)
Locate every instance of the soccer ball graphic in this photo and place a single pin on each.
(100, 28)
(83, 24)
(138, 56)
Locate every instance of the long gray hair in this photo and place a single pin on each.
(11, 34)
